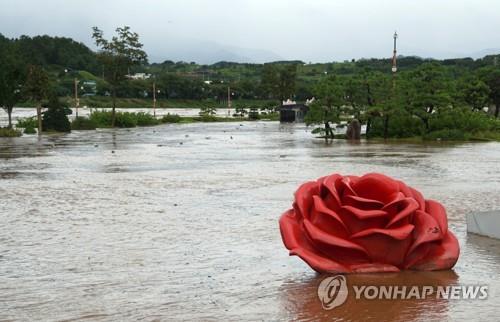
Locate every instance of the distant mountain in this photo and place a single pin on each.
(209, 53)
(439, 54)
(484, 52)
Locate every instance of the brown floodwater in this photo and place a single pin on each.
(180, 222)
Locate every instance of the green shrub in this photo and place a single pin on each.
(83, 123)
(208, 118)
(29, 129)
(447, 134)
(401, 125)
(125, 119)
(253, 114)
(101, 118)
(9, 133)
(463, 119)
(55, 118)
(171, 118)
(27, 122)
(145, 119)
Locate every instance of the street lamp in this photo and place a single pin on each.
(75, 83)
(154, 98)
(77, 101)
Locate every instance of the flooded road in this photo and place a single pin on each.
(180, 222)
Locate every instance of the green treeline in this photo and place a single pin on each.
(452, 98)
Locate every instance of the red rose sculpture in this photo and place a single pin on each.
(373, 223)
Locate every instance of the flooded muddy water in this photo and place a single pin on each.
(180, 222)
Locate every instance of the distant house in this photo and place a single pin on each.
(89, 88)
(137, 76)
(291, 112)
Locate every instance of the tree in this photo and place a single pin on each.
(36, 89)
(491, 76)
(55, 118)
(117, 56)
(430, 91)
(269, 81)
(353, 94)
(11, 79)
(279, 81)
(287, 82)
(475, 93)
(329, 94)
(207, 110)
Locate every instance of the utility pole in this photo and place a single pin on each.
(154, 99)
(77, 101)
(229, 100)
(394, 70)
(394, 56)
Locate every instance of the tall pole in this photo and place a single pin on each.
(77, 103)
(394, 70)
(229, 100)
(154, 99)
(394, 55)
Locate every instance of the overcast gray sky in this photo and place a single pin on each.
(310, 30)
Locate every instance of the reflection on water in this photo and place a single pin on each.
(180, 221)
(301, 299)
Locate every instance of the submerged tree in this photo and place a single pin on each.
(207, 110)
(475, 93)
(430, 91)
(329, 94)
(11, 80)
(117, 56)
(36, 89)
(56, 118)
(491, 76)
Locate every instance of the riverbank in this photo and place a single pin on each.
(106, 102)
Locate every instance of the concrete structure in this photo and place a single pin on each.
(484, 223)
(291, 113)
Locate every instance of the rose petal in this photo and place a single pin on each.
(383, 246)
(319, 263)
(410, 208)
(376, 186)
(290, 230)
(365, 214)
(426, 229)
(398, 197)
(441, 256)
(320, 206)
(373, 268)
(360, 202)
(344, 186)
(417, 254)
(399, 233)
(419, 198)
(320, 236)
(303, 197)
(330, 183)
(437, 211)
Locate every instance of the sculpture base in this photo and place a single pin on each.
(484, 223)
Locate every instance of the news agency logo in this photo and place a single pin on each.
(333, 292)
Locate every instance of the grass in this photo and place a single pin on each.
(6, 132)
